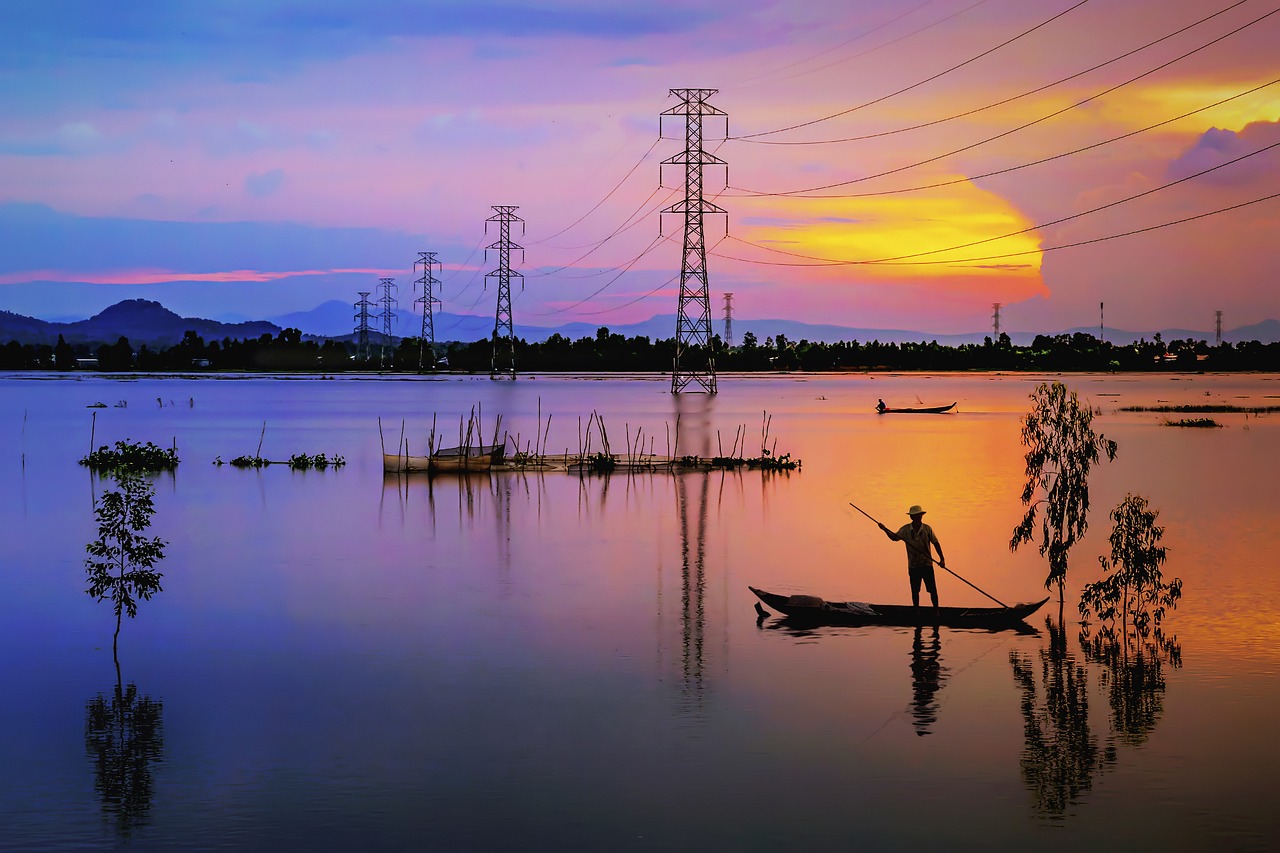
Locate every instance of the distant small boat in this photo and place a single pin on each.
(810, 609)
(919, 410)
(480, 457)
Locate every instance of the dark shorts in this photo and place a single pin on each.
(925, 574)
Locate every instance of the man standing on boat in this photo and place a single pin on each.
(918, 536)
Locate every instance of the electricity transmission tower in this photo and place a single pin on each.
(427, 341)
(728, 319)
(693, 317)
(362, 326)
(1217, 328)
(504, 336)
(387, 314)
(995, 322)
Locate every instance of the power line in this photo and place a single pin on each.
(803, 193)
(995, 104)
(1059, 221)
(1058, 156)
(1043, 249)
(929, 79)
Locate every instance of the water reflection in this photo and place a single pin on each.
(1133, 672)
(124, 739)
(927, 677)
(693, 541)
(1061, 755)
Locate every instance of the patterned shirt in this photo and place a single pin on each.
(918, 554)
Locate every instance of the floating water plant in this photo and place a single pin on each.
(1194, 422)
(132, 456)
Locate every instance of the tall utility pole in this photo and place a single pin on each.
(728, 320)
(387, 314)
(362, 326)
(693, 316)
(504, 335)
(427, 341)
(995, 322)
(1217, 328)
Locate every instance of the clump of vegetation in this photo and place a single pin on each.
(1133, 591)
(767, 461)
(1205, 409)
(302, 462)
(298, 461)
(1062, 447)
(132, 456)
(121, 560)
(1193, 422)
(601, 463)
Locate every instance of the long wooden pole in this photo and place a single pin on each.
(932, 560)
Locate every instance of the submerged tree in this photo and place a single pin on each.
(121, 561)
(1062, 448)
(1133, 590)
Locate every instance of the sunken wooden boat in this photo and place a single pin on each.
(810, 609)
(918, 410)
(480, 457)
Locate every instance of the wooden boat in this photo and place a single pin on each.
(810, 609)
(481, 457)
(919, 410)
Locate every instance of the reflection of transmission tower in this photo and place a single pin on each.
(728, 320)
(995, 321)
(362, 326)
(693, 583)
(504, 336)
(427, 341)
(387, 314)
(693, 318)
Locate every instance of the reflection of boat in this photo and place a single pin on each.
(919, 410)
(814, 610)
(481, 457)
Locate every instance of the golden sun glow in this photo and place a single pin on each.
(930, 235)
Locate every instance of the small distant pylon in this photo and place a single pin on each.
(504, 335)
(387, 314)
(728, 319)
(693, 316)
(995, 321)
(1217, 328)
(362, 326)
(427, 341)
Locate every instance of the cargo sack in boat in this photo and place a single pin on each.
(804, 601)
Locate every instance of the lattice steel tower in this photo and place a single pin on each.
(728, 319)
(693, 316)
(427, 341)
(1217, 328)
(995, 321)
(362, 325)
(504, 336)
(387, 314)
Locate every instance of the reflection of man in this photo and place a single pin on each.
(926, 679)
(918, 536)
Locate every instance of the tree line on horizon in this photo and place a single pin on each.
(606, 351)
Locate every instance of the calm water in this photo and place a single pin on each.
(343, 661)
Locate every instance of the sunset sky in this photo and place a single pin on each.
(890, 164)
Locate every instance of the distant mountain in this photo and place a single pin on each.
(140, 320)
(144, 321)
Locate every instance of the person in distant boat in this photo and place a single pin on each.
(918, 537)
(880, 406)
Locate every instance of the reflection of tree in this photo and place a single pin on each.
(927, 675)
(1061, 755)
(1134, 675)
(124, 738)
